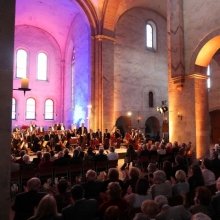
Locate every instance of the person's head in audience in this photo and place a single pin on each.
(33, 184)
(22, 153)
(46, 156)
(206, 163)
(114, 191)
(113, 174)
(26, 159)
(112, 149)
(159, 177)
(60, 154)
(152, 167)
(77, 192)
(134, 173)
(180, 176)
(62, 185)
(218, 184)
(91, 175)
(46, 208)
(142, 186)
(149, 208)
(179, 159)
(112, 213)
(101, 150)
(140, 216)
(202, 196)
(66, 151)
(200, 216)
(39, 154)
(161, 201)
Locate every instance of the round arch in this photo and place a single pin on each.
(204, 52)
(152, 127)
(123, 123)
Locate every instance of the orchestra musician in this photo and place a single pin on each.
(118, 138)
(82, 133)
(106, 139)
(98, 135)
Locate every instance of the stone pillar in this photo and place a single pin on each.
(176, 70)
(103, 83)
(201, 115)
(7, 21)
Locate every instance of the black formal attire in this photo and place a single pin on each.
(215, 203)
(106, 140)
(25, 203)
(83, 209)
(82, 132)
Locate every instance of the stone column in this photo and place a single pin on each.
(103, 83)
(176, 70)
(201, 115)
(7, 21)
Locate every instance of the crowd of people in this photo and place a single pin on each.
(158, 180)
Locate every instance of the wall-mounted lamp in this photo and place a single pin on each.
(24, 85)
(179, 115)
(129, 114)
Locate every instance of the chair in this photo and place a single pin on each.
(45, 174)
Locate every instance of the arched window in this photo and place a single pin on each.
(151, 99)
(21, 63)
(208, 79)
(42, 66)
(13, 113)
(49, 109)
(30, 109)
(151, 35)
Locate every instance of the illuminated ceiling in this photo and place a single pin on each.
(56, 16)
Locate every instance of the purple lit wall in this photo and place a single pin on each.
(76, 112)
(57, 28)
(35, 40)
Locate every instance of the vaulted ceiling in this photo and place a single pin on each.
(57, 16)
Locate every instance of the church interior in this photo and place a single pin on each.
(151, 65)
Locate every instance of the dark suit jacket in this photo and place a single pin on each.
(174, 213)
(216, 205)
(25, 203)
(83, 209)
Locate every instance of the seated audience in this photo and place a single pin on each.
(81, 208)
(215, 201)
(202, 202)
(167, 212)
(46, 210)
(200, 216)
(150, 209)
(160, 185)
(101, 156)
(112, 155)
(92, 187)
(62, 195)
(26, 202)
(114, 198)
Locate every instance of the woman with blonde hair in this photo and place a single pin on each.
(46, 210)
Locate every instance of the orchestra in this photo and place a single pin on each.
(56, 138)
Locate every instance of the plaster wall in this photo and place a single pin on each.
(200, 19)
(138, 71)
(35, 40)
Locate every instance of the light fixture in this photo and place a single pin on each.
(129, 114)
(24, 85)
(163, 108)
(179, 115)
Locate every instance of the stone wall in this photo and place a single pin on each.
(137, 70)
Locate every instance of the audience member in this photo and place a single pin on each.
(81, 208)
(26, 202)
(46, 210)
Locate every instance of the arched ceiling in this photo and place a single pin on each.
(56, 16)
